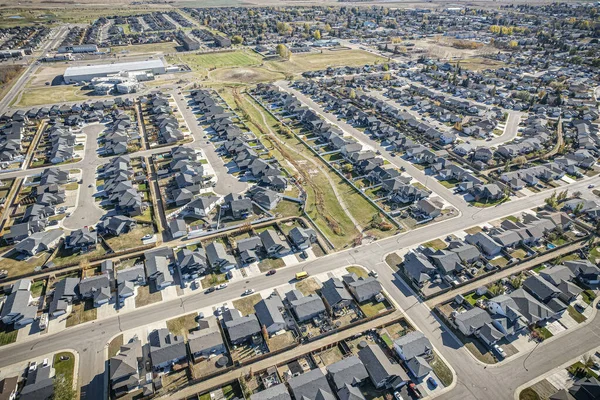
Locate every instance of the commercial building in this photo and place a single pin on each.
(87, 73)
(78, 48)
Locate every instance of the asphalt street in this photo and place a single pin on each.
(90, 339)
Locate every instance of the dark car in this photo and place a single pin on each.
(271, 272)
(432, 382)
(210, 290)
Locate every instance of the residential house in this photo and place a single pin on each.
(39, 241)
(125, 368)
(363, 289)
(158, 268)
(206, 341)
(82, 240)
(350, 370)
(302, 238)
(469, 322)
(269, 312)
(18, 309)
(65, 291)
(382, 372)
(241, 329)
(311, 385)
(276, 392)
(218, 258)
(273, 244)
(413, 344)
(305, 307)
(335, 294)
(97, 288)
(167, 351)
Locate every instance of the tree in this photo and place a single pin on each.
(327, 28)
(282, 51)
(265, 332)
(352, 94)
(520, 160)
(63, 389)
(577, 194)
(347, 168)
(551, 201)
(317, 35)
(237, 39)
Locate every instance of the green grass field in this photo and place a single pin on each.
(201, 62)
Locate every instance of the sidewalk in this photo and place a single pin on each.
(280, 358)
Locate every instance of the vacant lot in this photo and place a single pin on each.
(51, 94)
(201, 62)
(299, 63)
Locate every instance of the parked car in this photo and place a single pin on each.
(398, 396)
(210, 290)
(432, 382)
(591, 186)
(222, 286)
(199, 316)
(45, 363)
(248, 292)
(499, 350)
(146, 237)
(374, 274)
(273, 271)
(32, 366)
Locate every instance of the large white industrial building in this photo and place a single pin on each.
(86, 74)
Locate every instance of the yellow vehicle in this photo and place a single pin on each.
(301, 275)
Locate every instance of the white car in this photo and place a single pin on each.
(499, 350)
(45, 363)
(222, 286)
(146, 237)
(247, 292)
(32, 366)
(398, 396)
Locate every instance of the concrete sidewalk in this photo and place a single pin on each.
(280, 358)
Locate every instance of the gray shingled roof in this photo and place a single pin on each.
(350, 370)
(277, 392)
(308, 384)
(413, 344)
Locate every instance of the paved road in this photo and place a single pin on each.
(30, 70)
(89, 339)
(429, 182)
(87, 212)
(226, 183)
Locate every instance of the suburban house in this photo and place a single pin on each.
(158, 269)
(240, 329)
(350, 370)
(302, 238)
(311, 385)
(167, 351)
(363, 289)
(382, 372)
(335, 294)
(125, 369)
(305, 307)
(207, 341)
(269, 314)
(470, 321)
(276, 392)
(81, 240)
(38, 242)
(273, 244)
(218, 258)
(17, 310)
(65, 291)
(413, 344)
(96, 288)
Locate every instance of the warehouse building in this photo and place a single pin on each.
(86, 74)
(79, 48)
(188, 43)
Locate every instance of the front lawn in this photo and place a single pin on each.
(436, 244)
(64, 367)
(576, 315)
(543, 332)
(144, 297)
(359, 271)
(394, 261)
(528, 394)
(213, 280)
(268, 264)
(588, 296)
(473, 297)
(245, 305)
(442, 371)
(81, 312)
(182, 325)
